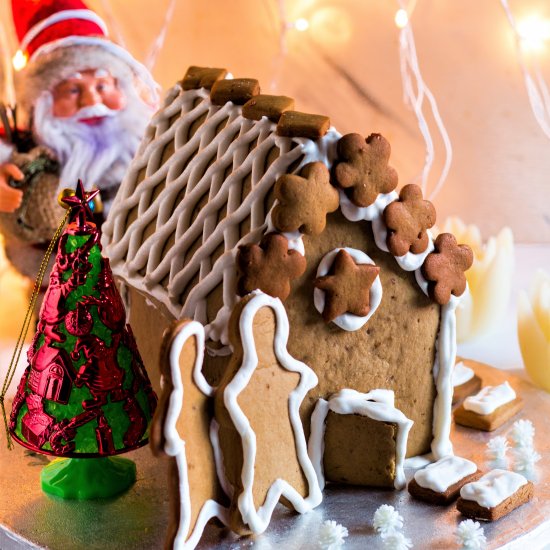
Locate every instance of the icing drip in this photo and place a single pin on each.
(489, 399)
(376, 404)
(493, 488)
(348, 321)
(356, 213)
(447, 471)
(461, 374)
(407, 262)
(445, 358)
(294, 238)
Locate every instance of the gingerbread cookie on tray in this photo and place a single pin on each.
(465, 381)
(441, 481)
(182, 429)
(489, 409)
(494, 495)
(257, 407)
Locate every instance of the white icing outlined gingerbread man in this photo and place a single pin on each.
(185, 351)
(258, 519)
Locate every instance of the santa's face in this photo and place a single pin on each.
(86, 89)
(94, 126)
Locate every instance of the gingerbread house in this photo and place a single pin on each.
(232, 191)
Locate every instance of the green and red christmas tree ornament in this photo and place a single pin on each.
(85, 395)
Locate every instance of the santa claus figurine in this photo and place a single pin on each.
(87, 101)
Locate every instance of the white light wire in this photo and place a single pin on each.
(156, 47)
(411, 77)
(279, 59)
(537, 88)
(111, 21)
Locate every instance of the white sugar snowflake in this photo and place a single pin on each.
(387, 519)
(497, 448)
(470, 535)
(332, 535)
(525, 459)
(522, 433)
(396, 541)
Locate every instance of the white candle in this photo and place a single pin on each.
(534, 329)
(489, 279)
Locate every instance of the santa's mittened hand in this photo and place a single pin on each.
(10, 198)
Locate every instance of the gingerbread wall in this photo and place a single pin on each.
(394, 350)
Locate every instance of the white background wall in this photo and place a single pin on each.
(347, 66)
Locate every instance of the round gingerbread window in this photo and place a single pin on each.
(347, 288)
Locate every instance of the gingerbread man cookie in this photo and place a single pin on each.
(408, 220)
(362, 169)
(444, 268)
(257, 406)
(305, 200)
(269, 266)
(182, 429)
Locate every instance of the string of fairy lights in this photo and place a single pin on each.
(531, 34)
(418, 96)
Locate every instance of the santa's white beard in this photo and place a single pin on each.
(98, 155)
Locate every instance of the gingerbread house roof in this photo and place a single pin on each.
(202, 184)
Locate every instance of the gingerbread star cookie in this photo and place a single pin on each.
(182, 430)
(444, 268)
(407, 220)
(347, 287)
(257, 406)
(305, 200)
(362, 169)
(269, 266)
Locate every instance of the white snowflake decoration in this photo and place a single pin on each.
(387, 519)
(497, 448)
(470, 535)
(396, 541)
(332, 535)
(522, 433)
(525, 459)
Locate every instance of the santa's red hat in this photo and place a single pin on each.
(62, 37)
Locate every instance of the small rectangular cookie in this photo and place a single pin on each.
(201, 77)
(236, 90)
(465, 381)
(296, 124)
(271, 106)
(440, 482)
(489, 409)
(494, 495)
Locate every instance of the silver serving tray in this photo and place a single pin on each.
(138, 519)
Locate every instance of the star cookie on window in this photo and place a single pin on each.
(347, 287)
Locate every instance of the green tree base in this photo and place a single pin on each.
(88, 478)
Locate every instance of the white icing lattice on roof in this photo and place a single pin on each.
(168, 247)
